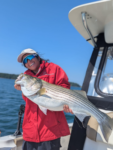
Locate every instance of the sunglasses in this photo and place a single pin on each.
(30, 57)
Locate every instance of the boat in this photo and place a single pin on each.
(94, 22)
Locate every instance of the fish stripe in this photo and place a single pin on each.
(54, 91)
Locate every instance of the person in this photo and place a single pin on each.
(40, 131)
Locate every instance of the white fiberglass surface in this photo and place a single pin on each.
(99, 17)
(92, 145)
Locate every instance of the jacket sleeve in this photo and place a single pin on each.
(61, 78)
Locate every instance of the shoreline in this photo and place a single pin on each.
(14, 76)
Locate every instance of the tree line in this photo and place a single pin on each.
(74, 84)
(14, 76)
(8, 76)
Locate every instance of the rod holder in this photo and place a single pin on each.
(21, 112)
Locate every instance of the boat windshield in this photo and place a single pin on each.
(91, 89)
(106, 80)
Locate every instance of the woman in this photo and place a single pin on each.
(40, 131)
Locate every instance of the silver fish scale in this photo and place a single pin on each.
(65, 94)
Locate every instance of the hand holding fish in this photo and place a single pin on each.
(17, 87)
(67, 109)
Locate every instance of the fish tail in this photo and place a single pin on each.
(106, 126)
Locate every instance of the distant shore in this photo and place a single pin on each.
(14, 76)
(8, 76)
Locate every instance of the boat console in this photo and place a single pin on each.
(94, 22)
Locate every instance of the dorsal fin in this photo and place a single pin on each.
(83, 93)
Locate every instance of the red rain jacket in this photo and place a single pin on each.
(37, 126)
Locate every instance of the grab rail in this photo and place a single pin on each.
(84, 20)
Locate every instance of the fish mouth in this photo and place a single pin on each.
(19, 78)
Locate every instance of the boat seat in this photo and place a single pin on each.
(94, 133)
(18, 141)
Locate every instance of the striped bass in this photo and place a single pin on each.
(54, 97)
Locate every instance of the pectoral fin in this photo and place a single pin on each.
(42, 91)
(81, 116)
(43, 109)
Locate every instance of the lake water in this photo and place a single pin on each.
(10, 101)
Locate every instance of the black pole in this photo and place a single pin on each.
(21, 111)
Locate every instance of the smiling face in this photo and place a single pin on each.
(33, 64)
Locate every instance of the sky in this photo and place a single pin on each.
(44, 26)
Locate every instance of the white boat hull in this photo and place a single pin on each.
(92, 145)
(15, 143)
